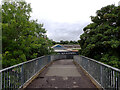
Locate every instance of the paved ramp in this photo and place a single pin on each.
(62, 74)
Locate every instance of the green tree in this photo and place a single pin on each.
(101, 38)
(22, 39)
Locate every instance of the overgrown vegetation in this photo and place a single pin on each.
(101, 38)
(22, 39)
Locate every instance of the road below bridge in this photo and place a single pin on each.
(62, 74)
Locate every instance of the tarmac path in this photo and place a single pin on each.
(62, 74)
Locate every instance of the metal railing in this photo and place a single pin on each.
(108, 77)
(16, 76)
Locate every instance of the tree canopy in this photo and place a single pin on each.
(101, 38)
(22, 39)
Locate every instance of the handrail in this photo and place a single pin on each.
(116, 69)
(20, 64)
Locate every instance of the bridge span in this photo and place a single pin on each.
(60, 72)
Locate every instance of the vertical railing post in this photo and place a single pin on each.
(9, 79)
(118, 80)
(22, 75)
(101, 75)
(0, 80)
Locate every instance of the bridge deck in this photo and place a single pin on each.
(62, 74)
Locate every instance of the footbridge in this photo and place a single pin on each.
(60, 72)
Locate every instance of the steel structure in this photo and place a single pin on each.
(18, 75)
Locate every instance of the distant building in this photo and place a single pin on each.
(58, 47)
(72, 47)
(66, 49)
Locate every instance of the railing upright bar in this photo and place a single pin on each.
(4, 80)
(9, 79)
(116, 80)
(14, 85)
(0, 80)
(111, 78)
(101, 74)
(22, 75)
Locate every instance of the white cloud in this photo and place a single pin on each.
(64, 31)
(65, 19)
(67, 10)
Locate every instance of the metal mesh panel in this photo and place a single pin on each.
(16, 76)
(108, 77)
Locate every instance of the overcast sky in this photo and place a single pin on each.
(65, 19)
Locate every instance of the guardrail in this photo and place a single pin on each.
(108, 77)
(16, 76)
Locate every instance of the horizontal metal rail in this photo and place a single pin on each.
(16, 76)
(108, 77)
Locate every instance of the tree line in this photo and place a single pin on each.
(101, 38)
(22, 39)
(65, 42)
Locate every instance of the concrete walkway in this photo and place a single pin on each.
(62, 74)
